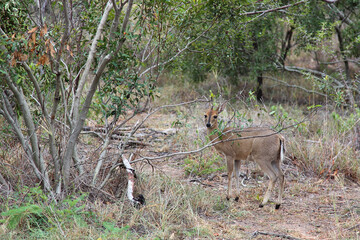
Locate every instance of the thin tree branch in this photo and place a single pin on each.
(295, 86)
(320, 75)
(178, 53)
(271, 10)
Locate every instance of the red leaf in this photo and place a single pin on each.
(33, 30)
(44, 59)
(43, 31)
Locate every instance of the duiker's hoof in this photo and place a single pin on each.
(261, 206)
(277, 206)
(227, 198)
(236, 199)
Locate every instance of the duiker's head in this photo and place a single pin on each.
(211, 116)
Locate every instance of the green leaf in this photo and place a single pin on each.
(313, 106)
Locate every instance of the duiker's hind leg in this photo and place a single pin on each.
(281, 190)
(270, 172)
(237, 172)
(230, 168)
(280, 176)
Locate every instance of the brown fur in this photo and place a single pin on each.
(266, 150)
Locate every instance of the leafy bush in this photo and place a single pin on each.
(345, 124)
(33, 211)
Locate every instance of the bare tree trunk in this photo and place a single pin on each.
(80, 116)
(34, 155)
(346, 65)
(76, 102)
(285, 48)
(139, 200)
(259, 92)
(49, 121)
(259, 78)
(341, 47)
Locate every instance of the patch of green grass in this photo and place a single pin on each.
(221, 205)
(203, 165)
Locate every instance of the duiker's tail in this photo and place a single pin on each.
(282, 149)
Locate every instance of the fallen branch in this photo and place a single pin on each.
(257, 233)
(122, 134)
(139, 200)
(199, 181)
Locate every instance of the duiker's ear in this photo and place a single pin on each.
(221, 107)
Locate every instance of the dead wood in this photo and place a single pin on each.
(139, 200)
(257, 233)
(141, 137)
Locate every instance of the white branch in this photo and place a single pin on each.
(131, 182)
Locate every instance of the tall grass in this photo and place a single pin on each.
(328, 145)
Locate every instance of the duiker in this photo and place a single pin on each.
(262, 145)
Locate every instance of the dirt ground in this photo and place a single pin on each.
(312, 208)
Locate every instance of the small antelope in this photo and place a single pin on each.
(267, 150)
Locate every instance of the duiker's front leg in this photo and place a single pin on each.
(236, 173)
(230, 168)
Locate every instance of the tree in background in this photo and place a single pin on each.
(257, 38)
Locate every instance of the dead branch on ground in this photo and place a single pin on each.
(257, 233)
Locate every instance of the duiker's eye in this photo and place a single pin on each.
(205, 116)
(215, 117)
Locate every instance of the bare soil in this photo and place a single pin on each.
(312, 208)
